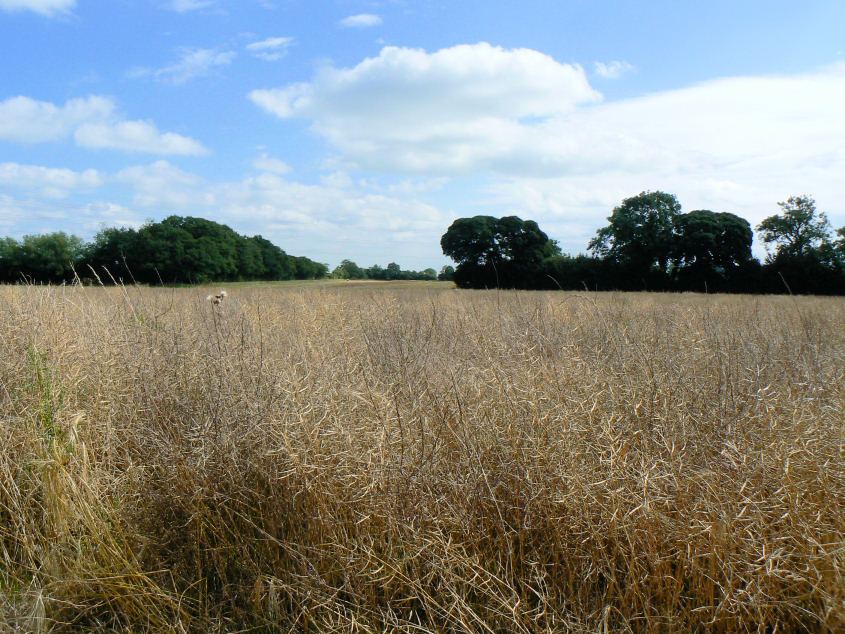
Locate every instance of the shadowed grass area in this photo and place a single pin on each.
(402, 456)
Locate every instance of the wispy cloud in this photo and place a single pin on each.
(613, 70)
(193, 63)
(44, 7)
(272, 49)
(266, 163)
(183, 6)
(360, 21)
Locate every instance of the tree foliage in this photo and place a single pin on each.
(50, 257)
(641, 232)
(483, 240)
(711, 240)
(496, 251)
(798, 231)
(650, 245)
(175, 250)
(348, 270)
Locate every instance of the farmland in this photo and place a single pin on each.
(372, 457)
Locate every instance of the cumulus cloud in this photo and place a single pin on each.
(44, 7)
(454, 110)
(92, 121)
(270, 50)
(192, 63)
(136, 136)
(737, 144)
(30, 121)
(550, 148)
(51, 182)
(360, 21)
(614, 69)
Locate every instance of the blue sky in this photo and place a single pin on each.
(361, 129)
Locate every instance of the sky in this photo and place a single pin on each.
(361, 129)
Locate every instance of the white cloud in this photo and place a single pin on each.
(136, 136)
(547, 147)
(456, 110)
(360, 21)
(272, 49)
(266, 163)
(52, 182)
(164, 185)
(738, 144)
(44, 7)
(183, 6)
(92, 121)
(193, 63)
(30, 121)
(614, 69)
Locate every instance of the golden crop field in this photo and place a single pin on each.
(410, 457)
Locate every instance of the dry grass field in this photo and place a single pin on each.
(376, 457)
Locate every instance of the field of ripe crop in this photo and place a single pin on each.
(376, 457)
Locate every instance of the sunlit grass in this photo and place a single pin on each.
(371, 456)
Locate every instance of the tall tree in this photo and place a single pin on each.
(798, 231)
(641, 231)
(492, 251)
(706, 239)
(489, 240)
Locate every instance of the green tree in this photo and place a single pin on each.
(111, 252)
(798, 231)
(49, 257)
(393, 271)
(641, 231)
(710, 240)
(490, 251)
(447, 274)
(348, 270)
(489, 240)
(305, 269)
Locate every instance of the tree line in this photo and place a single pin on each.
(348, 270)
(649, 244)
(177, 250)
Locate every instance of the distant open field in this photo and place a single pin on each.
(371, 457)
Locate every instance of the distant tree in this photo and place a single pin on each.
(839, 245)
(428, 274)
(798, 231)
(393, 271)
(447, 273)
(376, 272)
(348, 270)
(640, 233)
(275, 263)
(305, 269)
